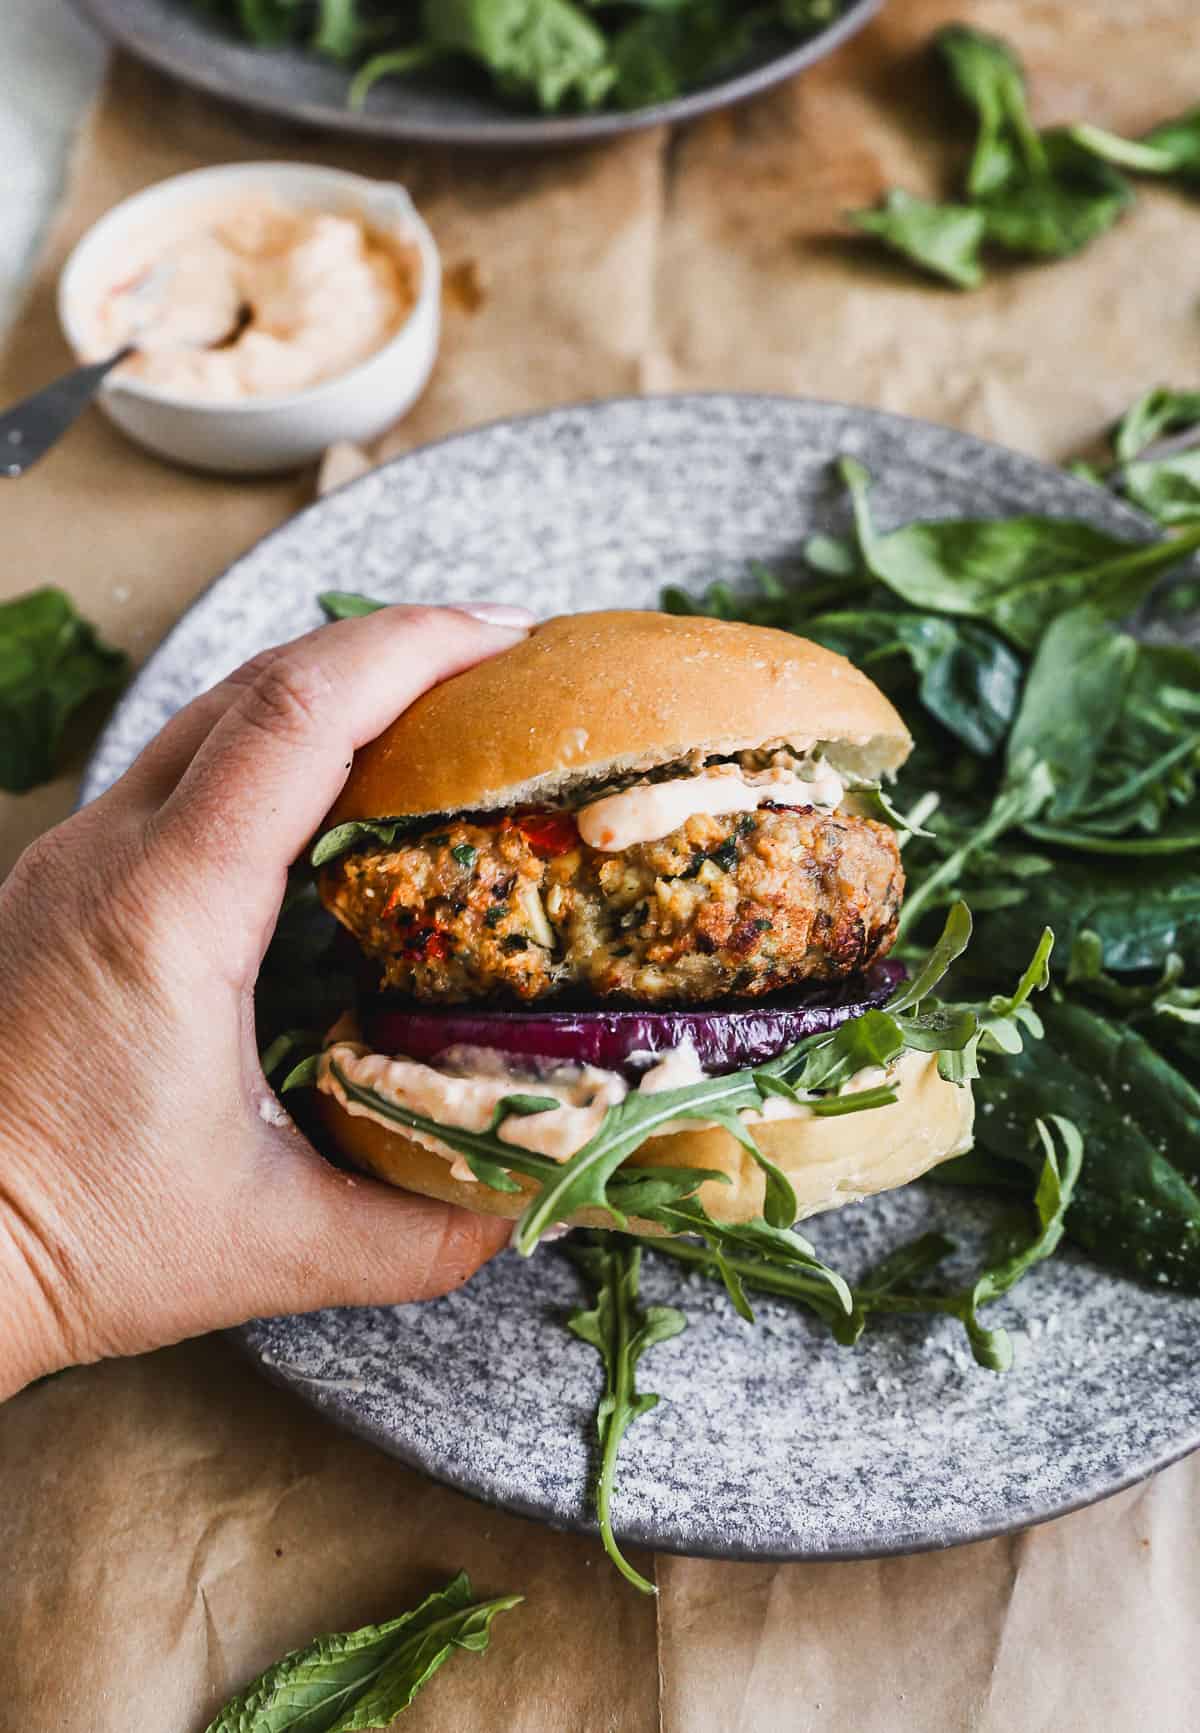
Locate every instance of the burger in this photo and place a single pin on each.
(629, 857)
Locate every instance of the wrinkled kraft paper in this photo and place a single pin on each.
(172, 1524)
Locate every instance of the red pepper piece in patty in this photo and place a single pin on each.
(549, 834)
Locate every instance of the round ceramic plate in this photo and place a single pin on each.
(177, 38)
(770, 1442)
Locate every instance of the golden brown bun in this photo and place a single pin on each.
(829, 1161)
(587, 696)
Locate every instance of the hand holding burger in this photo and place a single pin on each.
(151, 1187)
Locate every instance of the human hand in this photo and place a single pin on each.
(151, 1187)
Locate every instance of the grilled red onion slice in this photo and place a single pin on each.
(725, 1039)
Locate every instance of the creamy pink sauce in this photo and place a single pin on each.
(476, 1079)
(289, 297)
(651, 810)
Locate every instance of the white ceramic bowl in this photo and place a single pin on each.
(260, 434)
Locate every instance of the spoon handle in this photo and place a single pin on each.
(31, 427)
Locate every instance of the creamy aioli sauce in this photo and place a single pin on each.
(476, 1080)
(651, 810)
(289, 298)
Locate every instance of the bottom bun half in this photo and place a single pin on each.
(830, 1161)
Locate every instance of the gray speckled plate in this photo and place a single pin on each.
(770, 1442)
(178, 39)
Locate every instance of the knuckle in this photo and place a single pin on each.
(286, 698)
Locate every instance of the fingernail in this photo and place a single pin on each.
(499, 614)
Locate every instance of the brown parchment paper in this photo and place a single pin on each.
(169, 1525)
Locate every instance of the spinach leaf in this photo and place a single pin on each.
(1171, 150)
(987, 75)
(1141, 913)
(969, 678)
(1056, 213)
(353, 834)
(674, 47)
(620, 1332)
(363, 1679)
(347, 604)
(51, 663)
(943, 239)
(1117, 723)
(1157, 412)
(1137, 1205)
(546, 49)
(1168, 489)
(1016, 573)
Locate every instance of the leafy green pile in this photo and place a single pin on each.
(51, 663)
(548, 54)
(1054, 778)
(358, 1680)
(1035, 194)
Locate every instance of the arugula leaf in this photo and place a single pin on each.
(51, 662)
(363, 1679)
(620, 1333)
(1140, 913)
(582, 1181)
(882, 1290)
(943, 239)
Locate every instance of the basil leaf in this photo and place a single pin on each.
(943, 239)
(621, 1333)
(1172, 149)
(1155, 413)
(52, 661)
(363, 1679)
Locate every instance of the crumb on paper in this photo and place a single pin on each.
(343, 462)
(464, 288)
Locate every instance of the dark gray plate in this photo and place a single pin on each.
(770, 1442)
(178, 39)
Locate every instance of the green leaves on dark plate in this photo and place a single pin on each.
(943, 239)
(52, 661)
(359, 1680)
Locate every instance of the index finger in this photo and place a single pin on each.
(260, 784)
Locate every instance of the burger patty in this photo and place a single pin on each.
(521, 908)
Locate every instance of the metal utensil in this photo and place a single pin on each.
(31, 427)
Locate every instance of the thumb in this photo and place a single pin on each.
(345, 1239)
